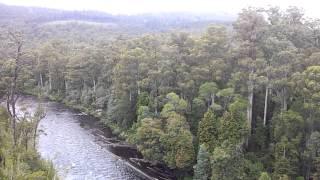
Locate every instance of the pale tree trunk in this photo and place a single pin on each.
(12, 97)
(138, 79)
(212, 99)
(50, 81)
(250, 107)
(38, 119)
(8, 104)
(284, 99)
(40, 74)
(156, 110)
(41, 80)
(156, 106)
(249, 112)
(66, 86)
(285, 104)
(94, 85)
(265, 107)
(35, 134)
(14, 118)
(94, 89)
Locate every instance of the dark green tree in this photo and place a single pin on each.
(202, 170)
(208, 132)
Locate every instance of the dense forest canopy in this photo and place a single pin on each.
(237, 100)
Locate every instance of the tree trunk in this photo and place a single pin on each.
(94, 86)
(308, 170)
(35, 137)
(285, 104)
(13, 98)
(41, 80)
(14, 121)
(35, 133)
(8, 104)
(212, 99)
(249, 108)
(26, 141)
(156, 106)
(50, 82)
(284, 100)
(66, 86)
(249, 112)
(265, 107)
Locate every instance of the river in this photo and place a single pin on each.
(81, 148)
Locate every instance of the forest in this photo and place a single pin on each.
(234, 100)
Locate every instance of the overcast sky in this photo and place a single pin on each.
(311, 7)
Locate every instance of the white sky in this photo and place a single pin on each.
(311, 7)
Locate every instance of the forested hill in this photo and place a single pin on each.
(42, 15)
(106, 24)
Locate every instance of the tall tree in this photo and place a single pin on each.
(202, 170)
(249, 28)
(208, 132)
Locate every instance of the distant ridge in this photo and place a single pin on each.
(41, 15)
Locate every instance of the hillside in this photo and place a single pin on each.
(44, 24)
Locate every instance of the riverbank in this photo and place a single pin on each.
(116, 144)
(134, 159)
(116, 130)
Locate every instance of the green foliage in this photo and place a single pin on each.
(208, 132)
(143, 99)
(17, 162)
(288, 124)
(288, 134)
(174, 105)
(168, 141)
(202, 170)
(198, 109)
(233, 128)
(286, 158)
(252, 169)
(226, 96)
(178, 143)
(312, 154)
(120, 112)
(264, 176)
(143, 112)
(227, 163)
(148, 139)
(207, 92)
(300, 178)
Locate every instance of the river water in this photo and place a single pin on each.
(80, 149)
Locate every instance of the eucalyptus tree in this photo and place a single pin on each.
(249, 31)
